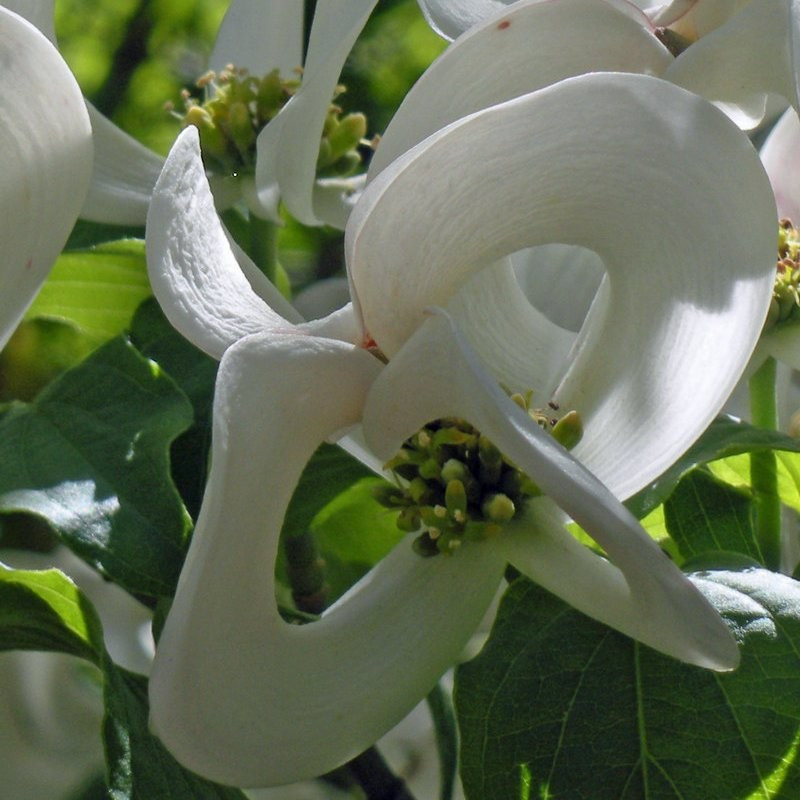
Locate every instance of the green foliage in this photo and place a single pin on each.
(194, 372)
(46, 611)
(440, 705)
(724, 437)
(139, 766)
(704, 515)
(579, 711)
(353, 533)
(97, 290)
(329, 472)
(89, 456)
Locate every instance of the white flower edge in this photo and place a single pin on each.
(259, 36)
(750, 57)
(780, 155)
(451, 18)
(643, 594)
(539, 42)
(46, 159)
(597, 161)
(287, 148)
(246, 711)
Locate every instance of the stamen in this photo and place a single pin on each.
(785, 304)
(454, 485)
(237, 106)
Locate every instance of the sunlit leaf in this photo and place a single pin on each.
(90, 456)
(579, 712)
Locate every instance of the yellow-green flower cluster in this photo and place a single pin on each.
(454, 485)
(239, 105)
(785, 304)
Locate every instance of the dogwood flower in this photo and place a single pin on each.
(545, 41)
(46, 153)
(259, 37)
(241, 696)
(736, 53)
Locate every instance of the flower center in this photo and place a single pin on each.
(238, 106)
(785, 305)
(454, 485)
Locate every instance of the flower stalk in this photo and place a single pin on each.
(763, 465)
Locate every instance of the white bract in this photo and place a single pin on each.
(743, 53)
(736, 53)
(598, 161)
(260, 36)
(46, 157)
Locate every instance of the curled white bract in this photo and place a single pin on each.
(598, 161)
(736, 53)
(45, 153)
(260, 37)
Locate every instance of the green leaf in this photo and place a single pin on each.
(98, 289)
(580, 712)
(44, 610)
(87, 234)
(704, 514)
(353, 533)
(736, 471)
(139, 765)
(330, 471)
(440, 704)
(195, 374)
(724, 437)
(89, 456)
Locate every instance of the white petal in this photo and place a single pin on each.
(597, 161)
(781, 158)
(334, 198)
(50, 725)
(701, 17)
(321, 298)
(236, 693)
(651, 601)
(123, 177)
(783, 344)
(665, 12)
(450, 18)
(287, 148)
(741, 63)
(45, 159)
(560, 280)
(494, 312)
(436, 375)
(260, 36)
(125, 171)
(262, 285)
(193, 270)
(538, 42)
(50, 721)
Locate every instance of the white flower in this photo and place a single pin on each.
(259, 35)
(598, 161)
(45, 156)
(738, 53)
